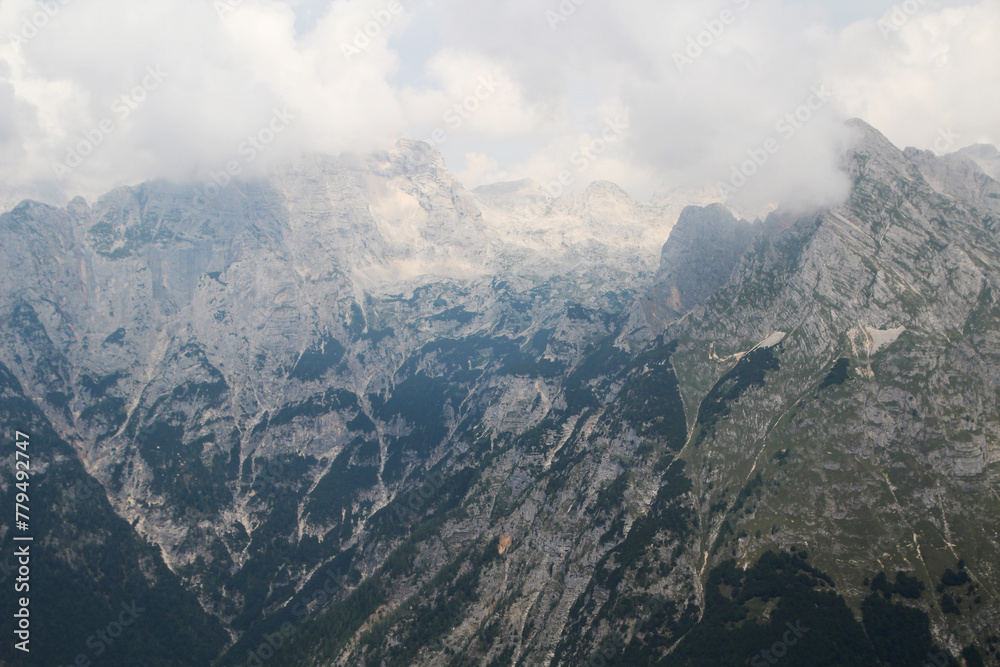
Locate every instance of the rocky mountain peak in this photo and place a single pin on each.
(871, 151)
(604, 190)
(986, 156)
(356, 366)
(524, 198)
(958, 175)
(698, 258)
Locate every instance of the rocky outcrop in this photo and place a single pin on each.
(414, 421)
(986, 156)
(699, 257)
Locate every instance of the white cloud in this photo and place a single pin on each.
(224, 77)
(480, 169)
(555, 84)
(940, 70)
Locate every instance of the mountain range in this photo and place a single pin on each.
(354, 413)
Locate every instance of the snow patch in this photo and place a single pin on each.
(771, 340)
(879, 338)
(399, 214)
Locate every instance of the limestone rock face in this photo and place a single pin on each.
(207, 352)
(986, 156)
(699, 257)
(429, 425)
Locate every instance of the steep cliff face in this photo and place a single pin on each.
(699, 257)
(422, 425)
(986, 156)
(83, 570)
(254, 373)
(871, 433)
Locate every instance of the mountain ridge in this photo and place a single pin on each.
(358, 364)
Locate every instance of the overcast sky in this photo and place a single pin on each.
(649, 94)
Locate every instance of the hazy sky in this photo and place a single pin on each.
(645, 93)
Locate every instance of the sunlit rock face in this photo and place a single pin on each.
(523, 428)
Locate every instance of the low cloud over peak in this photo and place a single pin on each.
(749, 96)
